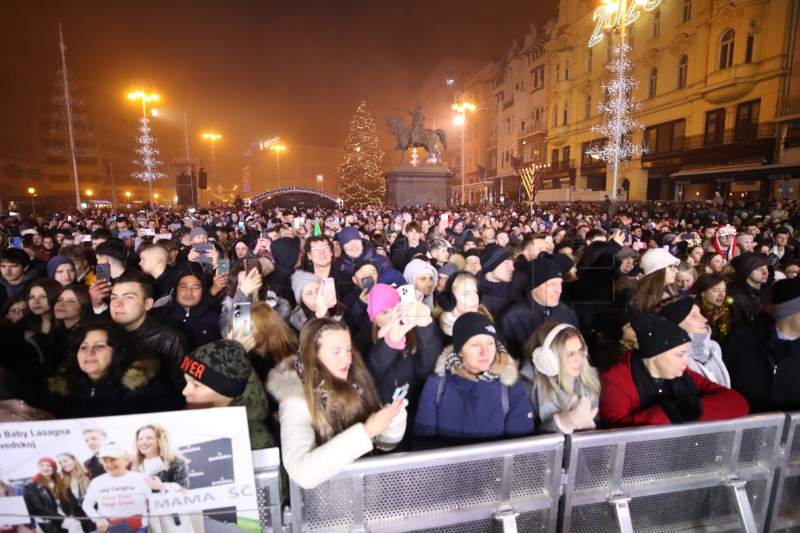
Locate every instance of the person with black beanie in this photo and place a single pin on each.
(653, 385)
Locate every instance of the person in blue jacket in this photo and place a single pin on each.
(475, 393)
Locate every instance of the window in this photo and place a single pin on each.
(538, 78)
(682, 71)
(565, 118)
(589, 60)
(566, 71)
(555, 116)
(715, 127)
(587, 159)
(747, 120)
(726, 49)
(656, 23)
(652, 81)
(665, 138)
(565, 156)
(686, 11)
(554, 158)
(558, 73)
(748, 53)
(587, 106)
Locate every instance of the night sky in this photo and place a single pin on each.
(254, 69)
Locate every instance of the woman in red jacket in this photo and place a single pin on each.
(652, 385)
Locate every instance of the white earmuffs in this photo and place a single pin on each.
(544, 360)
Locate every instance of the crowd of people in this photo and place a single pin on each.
(346, 332)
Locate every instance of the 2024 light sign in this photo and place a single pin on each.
(609, 16)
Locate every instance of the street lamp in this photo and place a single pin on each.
(89, 192)
(128, 197)
(213, 137)
(32, 192)
(463, 103)
(278, 149)
(321, 182)
(155, 198)
(147, 150)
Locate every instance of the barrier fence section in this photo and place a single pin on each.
(481, 487)
(701, 476)
(267, 466)
(785, 504)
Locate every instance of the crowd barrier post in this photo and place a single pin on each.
(705, 475)
(784, 510)
(267, 466)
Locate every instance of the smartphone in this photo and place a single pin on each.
(328, 288)
(162, 237)
(444, 216)
(241, 314)
(639, 246)
(202, 248)
(250, 264)
(114, 218)
(407, 294)
(264, 234)
(16, 242)
(223, 266)
(175, 226)
(296, 223)
(687, 236)
(103, 271)
(147, 232)
(400, 392)
(368, 283)
(241, 226)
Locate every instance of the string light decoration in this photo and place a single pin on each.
(361, 180)
(147, 152)
(618, 108)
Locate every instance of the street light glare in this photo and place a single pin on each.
(459, 120)
(31, 190)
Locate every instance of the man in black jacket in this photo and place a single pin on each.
(763, 358)
(751, 290)
(407, 246)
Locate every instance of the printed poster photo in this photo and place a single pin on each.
(178, 472)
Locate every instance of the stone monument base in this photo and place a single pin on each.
(408, 186)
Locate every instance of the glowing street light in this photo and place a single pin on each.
(463, 103)
(32, 192)
(278, 149)
(147, 150)
(89, 192)
(213, 137)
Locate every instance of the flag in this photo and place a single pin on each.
(317, 229)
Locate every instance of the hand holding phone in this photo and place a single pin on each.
(400, 392)
(103, 272)
(241, 317)
(328, 288)
(223, 266)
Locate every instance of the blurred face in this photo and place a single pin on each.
(465, 291)
(66, 463)
(197, 393)
(47, 243)
(115, 467)
(670, 364)
(11, 272)
(424, 282)
(746, 243)
(46, 469)
(626, 265)
(473, 265)
(695, 322)
(791, 271)
(67, 306)
(64, 274)
(781, 239)
(537, 246)
(574, 356)
(17, 311)
(241, 250)
(440, 253)
(320, 254)
(549, 292)
(309, 294)
(94, 440)
(37, 301)
(366, 271)
(502, 238)
(94, 354)
(696, 254)
(37, 239)
(759, 275)
(715, 295)
(504, 271)
(478, 353)
(354, 248)
(670, 273)
(147, 442)
(725, 239)
(413, 237)
(335, 352)
(716, 264)
(189, 291)
(128, 305)
(684, 281)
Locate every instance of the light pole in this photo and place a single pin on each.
(463, 103)
(147, 151)
(213, 137)
(32, 192)
(278, 149)
(321, 182)
(128, 197)
(155, 198)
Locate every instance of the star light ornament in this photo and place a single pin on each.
(618, 108)
(147, 152)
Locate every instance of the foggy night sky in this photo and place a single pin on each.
(253, 69)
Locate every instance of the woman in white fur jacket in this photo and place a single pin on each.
(330, 414)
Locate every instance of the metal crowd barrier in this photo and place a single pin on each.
(785, 503)
(482, 487)
(701, 476)
(267, 466)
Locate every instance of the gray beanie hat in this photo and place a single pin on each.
(299, 280)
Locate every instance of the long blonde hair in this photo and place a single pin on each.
(588, 378)
(166, 452)
(78, 473)
(347, 402)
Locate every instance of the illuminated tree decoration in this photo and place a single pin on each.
(617, 108)
(361, 180)
(147, 155)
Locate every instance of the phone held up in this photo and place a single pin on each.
(241, 317)
(103, 271)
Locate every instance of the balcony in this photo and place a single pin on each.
(533, 128)
(752, 143)
(562, 86)
(491, 141)
(508, 104)
(558, 135)
(762, 130)
(730, 84)
(788, 105)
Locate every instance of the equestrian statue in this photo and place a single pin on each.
(416, 135)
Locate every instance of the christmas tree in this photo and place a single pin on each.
(361, 181)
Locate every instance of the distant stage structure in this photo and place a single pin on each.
(299, 196)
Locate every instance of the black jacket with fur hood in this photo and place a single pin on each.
(140, 390)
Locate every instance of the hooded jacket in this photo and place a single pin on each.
(307, 463)
(748, 301)
(199, 323)
(414, 269)
(286, 250)
(521, 319)
(140, 390)
(471, 411)
(13, 290)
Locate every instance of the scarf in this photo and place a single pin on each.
(723, 323)
(654, 391)
(455, 365)
(556, 399)
(446, 323)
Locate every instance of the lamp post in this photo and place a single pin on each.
(463, 103)
(155, 198)
(128, 197)
(321, 182)
(278, 149)
(147, 151)
(213, 137)
(32, 192)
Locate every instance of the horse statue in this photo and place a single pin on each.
(426, 138)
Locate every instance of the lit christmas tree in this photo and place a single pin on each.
(147, 160)
(618, 108)
(361, 181)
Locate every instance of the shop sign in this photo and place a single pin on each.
(725, 180)
(781, 176)
(683, 182)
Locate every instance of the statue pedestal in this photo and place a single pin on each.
(408, 186)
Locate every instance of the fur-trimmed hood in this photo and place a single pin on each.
(508, 376)
(136, 377)
(284, 382)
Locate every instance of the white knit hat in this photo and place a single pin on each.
(655, 259)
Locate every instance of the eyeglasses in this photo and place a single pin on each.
(17, 310)
(320, 249)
